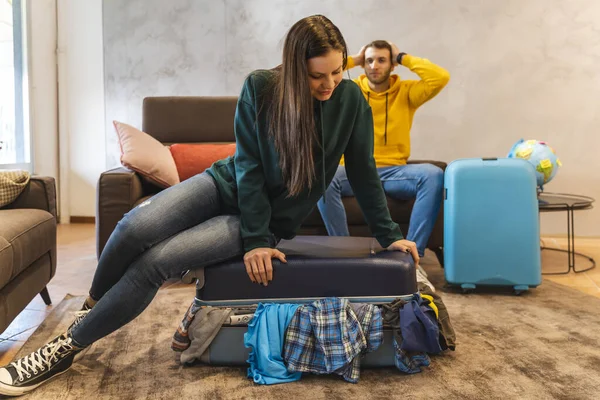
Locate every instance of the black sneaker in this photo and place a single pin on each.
(79, 316)
(50, 360)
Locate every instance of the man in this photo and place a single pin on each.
(393, 102)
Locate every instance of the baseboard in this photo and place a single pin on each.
(564, 236)
(82, 220)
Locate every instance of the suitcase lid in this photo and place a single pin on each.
(330, 246)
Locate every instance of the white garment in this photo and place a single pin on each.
(422, 278)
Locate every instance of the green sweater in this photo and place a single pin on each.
(251, 183)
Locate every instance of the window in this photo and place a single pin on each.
(15, 140)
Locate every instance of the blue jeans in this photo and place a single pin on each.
(422, 182)
(176, 230)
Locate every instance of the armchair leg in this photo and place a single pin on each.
(439, 252)
(46, 296)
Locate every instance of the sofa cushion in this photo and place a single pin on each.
(6, 262)
(31, 233)
(192, 159)
(189, 119)
(142, 153)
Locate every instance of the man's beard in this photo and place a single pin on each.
(383, 77)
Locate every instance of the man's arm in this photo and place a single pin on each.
(357, 60)
(433, 77)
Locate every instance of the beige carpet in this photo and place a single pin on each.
(540, 345)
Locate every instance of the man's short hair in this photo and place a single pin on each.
(381, 44)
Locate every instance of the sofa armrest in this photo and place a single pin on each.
(118, 191)
(40, 193)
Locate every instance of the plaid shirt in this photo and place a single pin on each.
(328, 336)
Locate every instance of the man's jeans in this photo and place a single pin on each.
(176, 230)
(424, 182)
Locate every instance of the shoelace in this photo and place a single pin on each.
(79, 315)
(42, 358)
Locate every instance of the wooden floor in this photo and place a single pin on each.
(77, 262)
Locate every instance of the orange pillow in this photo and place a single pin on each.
(142, 153)
(192, 159)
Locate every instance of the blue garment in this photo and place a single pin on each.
(422, 182)
(409, 364)
(328, 336)
(419, 327)
(405, 361)
(265, 338)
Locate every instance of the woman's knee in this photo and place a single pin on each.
(135, 229)
(126, 227)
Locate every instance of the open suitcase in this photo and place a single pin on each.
(317, 267)
(491, 224)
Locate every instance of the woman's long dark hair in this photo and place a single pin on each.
(292, 120)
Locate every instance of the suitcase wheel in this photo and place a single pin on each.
(520, 289)
(467, 287)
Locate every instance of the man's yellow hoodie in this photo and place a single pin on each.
(393, 110)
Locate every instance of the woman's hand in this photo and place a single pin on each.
(406, 246)
(359, 59)
(258, 264)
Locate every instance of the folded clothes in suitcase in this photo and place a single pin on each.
(317, 267)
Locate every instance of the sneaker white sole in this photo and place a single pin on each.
(8, 390)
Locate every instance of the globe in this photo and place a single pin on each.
(540, 155)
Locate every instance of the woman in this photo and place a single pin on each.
(292, 126)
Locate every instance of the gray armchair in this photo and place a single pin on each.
(27, 248)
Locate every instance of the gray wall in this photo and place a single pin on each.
(519, 68)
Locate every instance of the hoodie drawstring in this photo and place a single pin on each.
(386, 118)
(386, 114)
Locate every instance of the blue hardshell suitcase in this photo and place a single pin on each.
(491, 224)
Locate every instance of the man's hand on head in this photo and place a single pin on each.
(359, 59)
(395, 52)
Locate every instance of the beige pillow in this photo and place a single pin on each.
(142, 153)
(12, 183)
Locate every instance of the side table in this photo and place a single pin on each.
(556, 202)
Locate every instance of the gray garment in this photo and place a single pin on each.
(202, 331)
